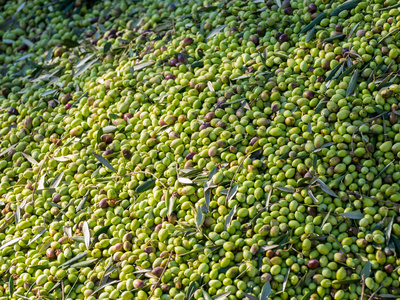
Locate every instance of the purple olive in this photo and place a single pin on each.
(209, 116)
(233, 30)
(313, 264)
(157, 271)
(137, 284)
(312, 8)
(187, 41)
(103, 203)
(182, 58)
(339, 28)
(254, 39)
(360, 33)
(57, 198)
(170, 76)
(190, 155)
(283, 38)
(253, 141)
(13, 111)
(173, 62)
(288, 10)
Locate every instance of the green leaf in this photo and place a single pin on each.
(366, 270)
(69, 43)
(206, 295)
(278, 2)
(82, 202)
(387, 166)
(345, 73)
(184, 180)
(142, 65)
(345, 6)
(107, 47)
(268, 198)
(315, 161)
(11, 285)
(339, 244)
(104, 285)
(36, 236)
(221, 296)
(199, 218)
(191, 290)
(326, 188)
(232, 192)
(99, 134)
(56, 181)
(145, 186)
(45, 246)
(68, 231)
(353, 215)
(17, 214)
(84, 264)
(84, 68)
(103, 229)
(285, 281)
(250, 296)
(346, 281)
(29, 158)
(109, 129)
(207, 197)
(86, 234)
(229, 217)
(352, 84)
(308, 295)
(266, 248)
(326, 218)
(315, 22)
(390, 7)
(389, 230)
(285, 189)
(310, 35)
(68, 263)
(214, 32)
(104, 162)
(266, 291)
(334, 71)
(323, 146)
(352, 30)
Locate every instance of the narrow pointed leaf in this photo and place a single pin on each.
(143, 65)
(191, 290)
(229, 217)
(145, 186)
(339, 244)
(104, 162)
(73, 260)
(326, 218)
(326, 188)
(68, 231)
(345, 6)
(199, 218)
(232, 193)
(285, 281)
(354, 215)
(107, 47)
(316, 21)
(86, 234)
(266, 248)
(17, 215)
(323, 146)
(84, 264)
(250, 296)
(184, 180)
(207, 197)
(266, 291)
(10, 243)
(366, 270)
(334, 71)
(221, 296)
(268, 198)
(45, 246)
(57, 180)
(103, 229)
(352, 84)
(29, 158)
(99, 134)
(11, 286)
(82, 202)
(389, 230)
(310, 35)
(285, 189)
(206, 295)
(8, 149)
(36, 236)
(215, 31)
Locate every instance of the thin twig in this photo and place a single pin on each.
(162, 274)
(62, 290)
(20, 296)
(363, 286)
(377, 290)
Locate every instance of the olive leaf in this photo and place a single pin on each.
(45, 246)
(103, 229)
(266, 248)
(56, 181)
(326, 218)
(21, 7)
(268, 198)
(308, 295)
(191, 290)
(36, 236)
(332, 38)
(49, 92)
(11, 242)
(199, 218)
(29, 158)
(389, 230)
(352, 30)
(326, 188)
(285, 281)
(389, 7)
(104, 162)
(309, 127)
(380, 224)
(323, 146)
(210, 86)
(310, 35)
(84, 68)
(334, 71)
(17, 214)
(11, 285)
(215, 31)
(99, 134)
(142, 65)
(389, 33)
(345, 6)
(68, 231)
(385, 168)
(345, 73)
(221, 296)
(86, 234)
(145, 186)
(366, 270)
(184, 180)
(229, 217)
(104, 285)
(109, 129)
(84, 264)
(353, 215)
(8, 149)
(346, 281)
(231, 193)
(250, 296)
(265, 291)
(207, 197)
(82, 202)
(107, 47)
(206, 295)
(315, 22)
(352, 84)
(285, 189)
(73, 260)
(339, 244)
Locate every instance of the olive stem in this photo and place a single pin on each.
(377, 290)
(20, 296)
(162, 274)
(363, 286)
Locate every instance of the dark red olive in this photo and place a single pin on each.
(103, 203)
(312, 8)
(283, 38)
(313, 264)
(254, 39)
(288, 10)
(233, 30)
(138, 284)
(187, 41)
(260, 31)
(13, 111)
(339, 28)
(50, 253)
(308, 94)
(388, 268)
(57, 198)
(126, 153)
(170, 76)
(190, 155)
(157, 271)
(173, 62)
(253, 141)
(68, 106)
(209, 116)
